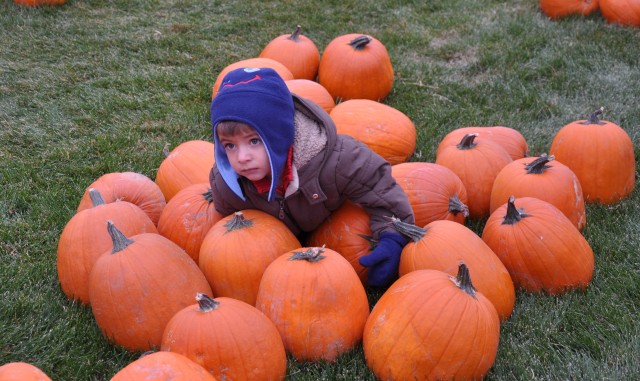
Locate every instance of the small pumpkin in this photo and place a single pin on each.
(506, 137)
(249, 240)
(316, 301)
(434, 191)
(313, 91)
(623, 12)
(601, 154)
(256, 62)
(430, 325)
(188, 163)
(295, 51)
(231, 339)
(22, 371)
(540, 246)
(163, 365)
(137, 287)
(385, 130)
(356, 66)
(556, 9)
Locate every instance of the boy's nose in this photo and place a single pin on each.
(243, 154)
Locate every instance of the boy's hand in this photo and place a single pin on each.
(383, 261)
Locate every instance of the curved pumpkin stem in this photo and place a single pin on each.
(120, 241)
(206, 303)
(463, 280)
(360, 42)
(238, 222)
(165, 150)
(313, 254)
(296, 34)
(467, 141)
(456, 206)
(539, 165)
(513, 214)
(208, 196)
(410, 230)
(96, 197)
(594, 118)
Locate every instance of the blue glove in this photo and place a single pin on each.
(383, 261)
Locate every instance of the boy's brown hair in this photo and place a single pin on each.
(232, 128)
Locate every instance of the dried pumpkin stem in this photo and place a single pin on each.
(467, 141)
(206, 303)
(360, 42)
(96, 197)
(296, 34)
(313, 254)
(208, 196)
(165, 150)
(238, 222)
(513, 214)
(456, 206)
(120, 241)
(410, 230)
(463, 280)
(372, 242)
(594, 118)
(539, 165)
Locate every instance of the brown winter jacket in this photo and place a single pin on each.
(331, 168)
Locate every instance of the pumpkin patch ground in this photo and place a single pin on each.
(113, 98)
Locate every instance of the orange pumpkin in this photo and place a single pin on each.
(313, 91)
(556, 9)
(295, 51)
(544, 178)
(356, 66)
(36, 3)
(256, 62)
(188, 163)
(477, 163)
(133, 187)
(506, 137)
(229, 338)
(442, 245)
(623, 12)
(432, 326)
(137, 287)
(84, 239)
(163, 366)
(384, 129)
(601, 154)
(540, 247)
(249, 240)
(316, 301)
(22, 371)
(434, 192)
(188, 217)
(347, 231)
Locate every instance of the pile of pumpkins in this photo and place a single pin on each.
(228, 297)
(622, 12)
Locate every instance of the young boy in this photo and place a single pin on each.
(281, 154)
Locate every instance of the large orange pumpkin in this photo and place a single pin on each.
(561, 8)
(601, 154)
(477, 162)
(188, 163)
(430, 325)
(313, 91)
(540, 246)
(163, 365)
(84, 239)
(623, 12)
(256, 62)
(316, 301)
(295, 51)
(356, 66)
(385, 130)
(347, 231)
(249, 240)
(137, 287)
(506, 137)
(188, 217)
(544, 178)
(133, 187)
(228, 337)
(22, 371)
(443, 244)
(434, 191)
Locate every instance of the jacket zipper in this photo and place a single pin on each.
(281, 213)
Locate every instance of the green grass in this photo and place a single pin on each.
(100, 86)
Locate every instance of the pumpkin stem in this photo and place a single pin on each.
(410, 230)
(456, 206)
(594, 119)
(165, 150)
(463, 280)
(539, 165)
(467, 141)
(120, 241)
(296, 34)
(96, 197)
(360, 42)
(206, 303)
(372, 242)
(513, 214)
(312, 254)
(208, 196)
(238, 222)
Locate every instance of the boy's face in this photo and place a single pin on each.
(247, 154)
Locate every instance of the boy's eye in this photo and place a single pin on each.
(255, 141)
(229, 146)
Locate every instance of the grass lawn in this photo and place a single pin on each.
(101, 86)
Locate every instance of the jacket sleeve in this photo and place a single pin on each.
(222, 195)
(364, 177)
